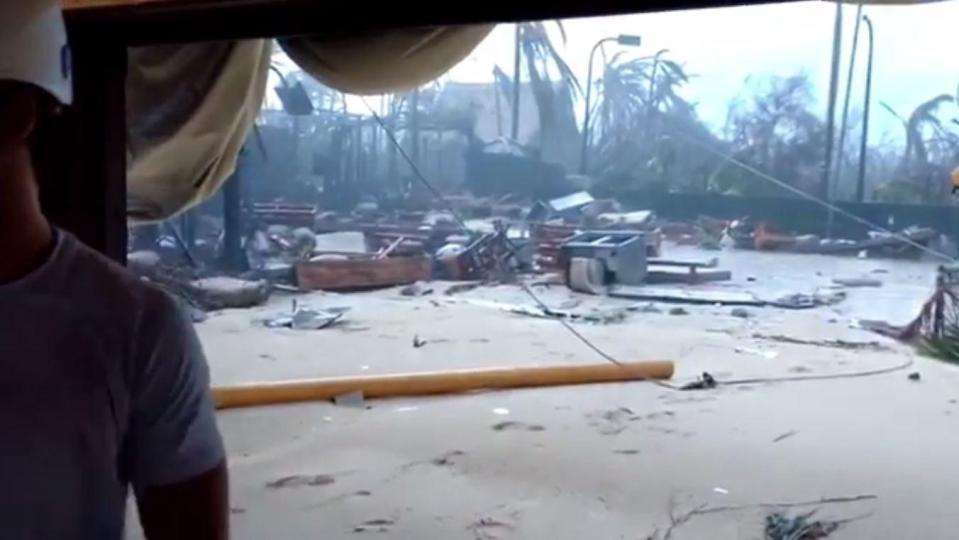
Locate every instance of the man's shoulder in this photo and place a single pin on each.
(106, 286)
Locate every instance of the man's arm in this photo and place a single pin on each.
(197, 508)
(177, 462)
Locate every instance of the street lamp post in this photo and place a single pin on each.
(861, 179)
(623, 39)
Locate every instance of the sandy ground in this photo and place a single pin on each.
(615, 461)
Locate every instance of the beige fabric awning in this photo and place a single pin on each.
(191, 107)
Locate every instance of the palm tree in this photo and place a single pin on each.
(642, 124)
(915, 164)
(558, 132)
(634, 90)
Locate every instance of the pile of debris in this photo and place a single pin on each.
(765, 236)
(201, 291)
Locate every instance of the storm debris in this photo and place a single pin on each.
(832, 343)
(785, 436)
(780, 526)
(517, 426)
(448, 458)
(379, 525)
(858, 282)
(416, 289)
(301, 480)
(705, 382)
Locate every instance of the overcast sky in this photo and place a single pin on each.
(916, 56)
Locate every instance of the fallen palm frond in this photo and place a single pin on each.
(802, 527)
(936, 329)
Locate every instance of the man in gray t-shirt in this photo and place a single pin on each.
(103, 383)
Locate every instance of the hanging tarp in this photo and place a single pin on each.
(391, 61)
(191, 107)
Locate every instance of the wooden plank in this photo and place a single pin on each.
(690, 277)
(81, 154)
(361, 273)
(685, 296)
(701, 263)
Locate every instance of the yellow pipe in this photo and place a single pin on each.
(443, 382)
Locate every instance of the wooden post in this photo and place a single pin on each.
(234, 258)
(81, 155)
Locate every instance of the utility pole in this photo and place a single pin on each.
(234, 258)
(414, 120)
(861, 180)
(840, 152)
(517, 59)
(622, 39)
(824, 189)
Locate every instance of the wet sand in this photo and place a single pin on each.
(602, 461)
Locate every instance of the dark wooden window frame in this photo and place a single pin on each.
(82, 156)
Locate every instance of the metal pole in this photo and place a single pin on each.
(861, 180)
(825, 192)
(840, 151)
(517, 58)
(589, 87)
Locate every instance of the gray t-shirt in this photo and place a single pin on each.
(103, 385)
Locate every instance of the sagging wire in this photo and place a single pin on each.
(610, 358)
(416, 170)
(462, 223)
(808, 196)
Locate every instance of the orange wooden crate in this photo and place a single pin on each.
(361, 273)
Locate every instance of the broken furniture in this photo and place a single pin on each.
(361, 273)
(683, 296)
(548, 239)
(492, 254)
(688, 272)
(618, 257)
(443, 382)
(290, 214)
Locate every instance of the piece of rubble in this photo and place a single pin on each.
(416, 289)
(780, 526)
(305, 318)
(648, 308)
(462, 287)
(740, 312)
(704, 382)
(678, 311)
(858, 282)
(225, 292)
(311, 319)
(354, 399)
(340, 243)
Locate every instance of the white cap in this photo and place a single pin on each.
(33, 46)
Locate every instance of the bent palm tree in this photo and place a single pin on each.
(558, 132)
(915, 160)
